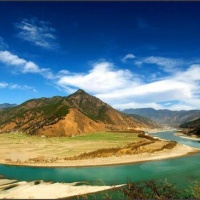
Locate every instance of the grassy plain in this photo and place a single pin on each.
(103, 148)
(21, 147)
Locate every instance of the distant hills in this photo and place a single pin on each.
(166, 117)
(145, 120)
(7, 105)
(192, 127)
(67, 116)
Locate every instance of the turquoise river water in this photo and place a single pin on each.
(178, 170)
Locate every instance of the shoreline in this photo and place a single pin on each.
(48, 190)
(182, 135)
(180, 150)
(58, 189)
(152, 131)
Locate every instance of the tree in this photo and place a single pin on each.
(153, 189)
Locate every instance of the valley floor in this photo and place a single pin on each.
(19, 149)
(179, 150)
(86, 150)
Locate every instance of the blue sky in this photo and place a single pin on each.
(129, 54)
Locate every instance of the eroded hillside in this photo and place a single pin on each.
(67, 116)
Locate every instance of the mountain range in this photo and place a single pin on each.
(7, 105)
(75, 114)
(166, 117)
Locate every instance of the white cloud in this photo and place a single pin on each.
(101, 78)
(20, 64)
(128, 56)
(11, 59)
(166, 64)
(31, 67)
(191, 74)
(120, 88)
(136, 105)
(38, 33)
(123, 89)
(151, 93)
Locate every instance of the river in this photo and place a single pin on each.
(178, 170)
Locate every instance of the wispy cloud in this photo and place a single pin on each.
(37, 32)
(16, 87)
(165, 64)
(3, 85)
(127, 57)
(22, 87)
(3, 45)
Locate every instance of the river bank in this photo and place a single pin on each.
(45, 190)
(74, 152)
(177, 151)
(182, 135)
(60, 168)
(156, 130)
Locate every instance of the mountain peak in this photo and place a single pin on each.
(78, 113)
(80, 91)
(78, 94)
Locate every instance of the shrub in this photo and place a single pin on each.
(153, 189)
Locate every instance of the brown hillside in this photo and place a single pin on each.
(74, 123)
(66, 116)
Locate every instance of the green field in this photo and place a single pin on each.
(19, 146)
(122, 138)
